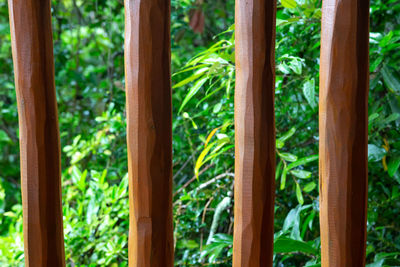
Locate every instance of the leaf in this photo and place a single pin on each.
(210, 136)
(390, 78)
(309, 187)
(283, 179)
(302, 161)
(375, 153)
(289, 3)
(378, 263)
(288, 156)
(218, 243)
(299, 195)
(279, 144)
(287, 135)
(296, 65)
(301, 174)
(4, 137)
(309, 92)
(196, 87)
(200, 159)
(191, 78)
(288, 245)
(393, 166)
(386, 39)
(372, 117)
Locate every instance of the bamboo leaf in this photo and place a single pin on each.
(193, 91)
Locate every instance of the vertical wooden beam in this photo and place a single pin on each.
(343, 110)
(32, 46)
(254, 133)
(149, 126)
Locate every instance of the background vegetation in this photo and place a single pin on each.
(88, 45)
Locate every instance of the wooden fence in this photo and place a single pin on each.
(344, 79)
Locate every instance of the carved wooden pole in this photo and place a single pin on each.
(255, 133)
(344, 131)
(32, 46)
(149, 126)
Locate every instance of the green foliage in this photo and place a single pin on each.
(88, 46)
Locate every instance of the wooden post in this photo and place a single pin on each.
(32, 47)
(344, 131)
(254, 133)
(149, 131)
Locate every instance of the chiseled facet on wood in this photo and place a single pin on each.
(149, 131)
(344, 85)
(254, 133)
(32, 46)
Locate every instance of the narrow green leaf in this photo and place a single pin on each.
(283, 179)
(287, 135)
(393, 166)
(302, 161)
(299, 195)
(191, 78)
(196, 87)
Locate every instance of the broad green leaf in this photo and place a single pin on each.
(296, 66)
(393, 166)
(378, 263)
(289, 3)
(288, 156)
(386, 39)
(309, 92)
(288, 245)
(309, 187)
(372, 117)
(279, 144)
(375, 153)
(299, 195)
(301, 174)
(390, 78)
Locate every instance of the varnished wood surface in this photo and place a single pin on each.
(149, 131)
(254, 133)
(343, 132)
(32, 47)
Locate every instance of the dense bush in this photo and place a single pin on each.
(88, 45)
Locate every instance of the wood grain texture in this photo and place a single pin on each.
(344, 82)
(254, 133)
(32, 47)
(149, 126)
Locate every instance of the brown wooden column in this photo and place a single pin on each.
(254, 133)
(344, 131)
(32, 45)
(149, 131)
